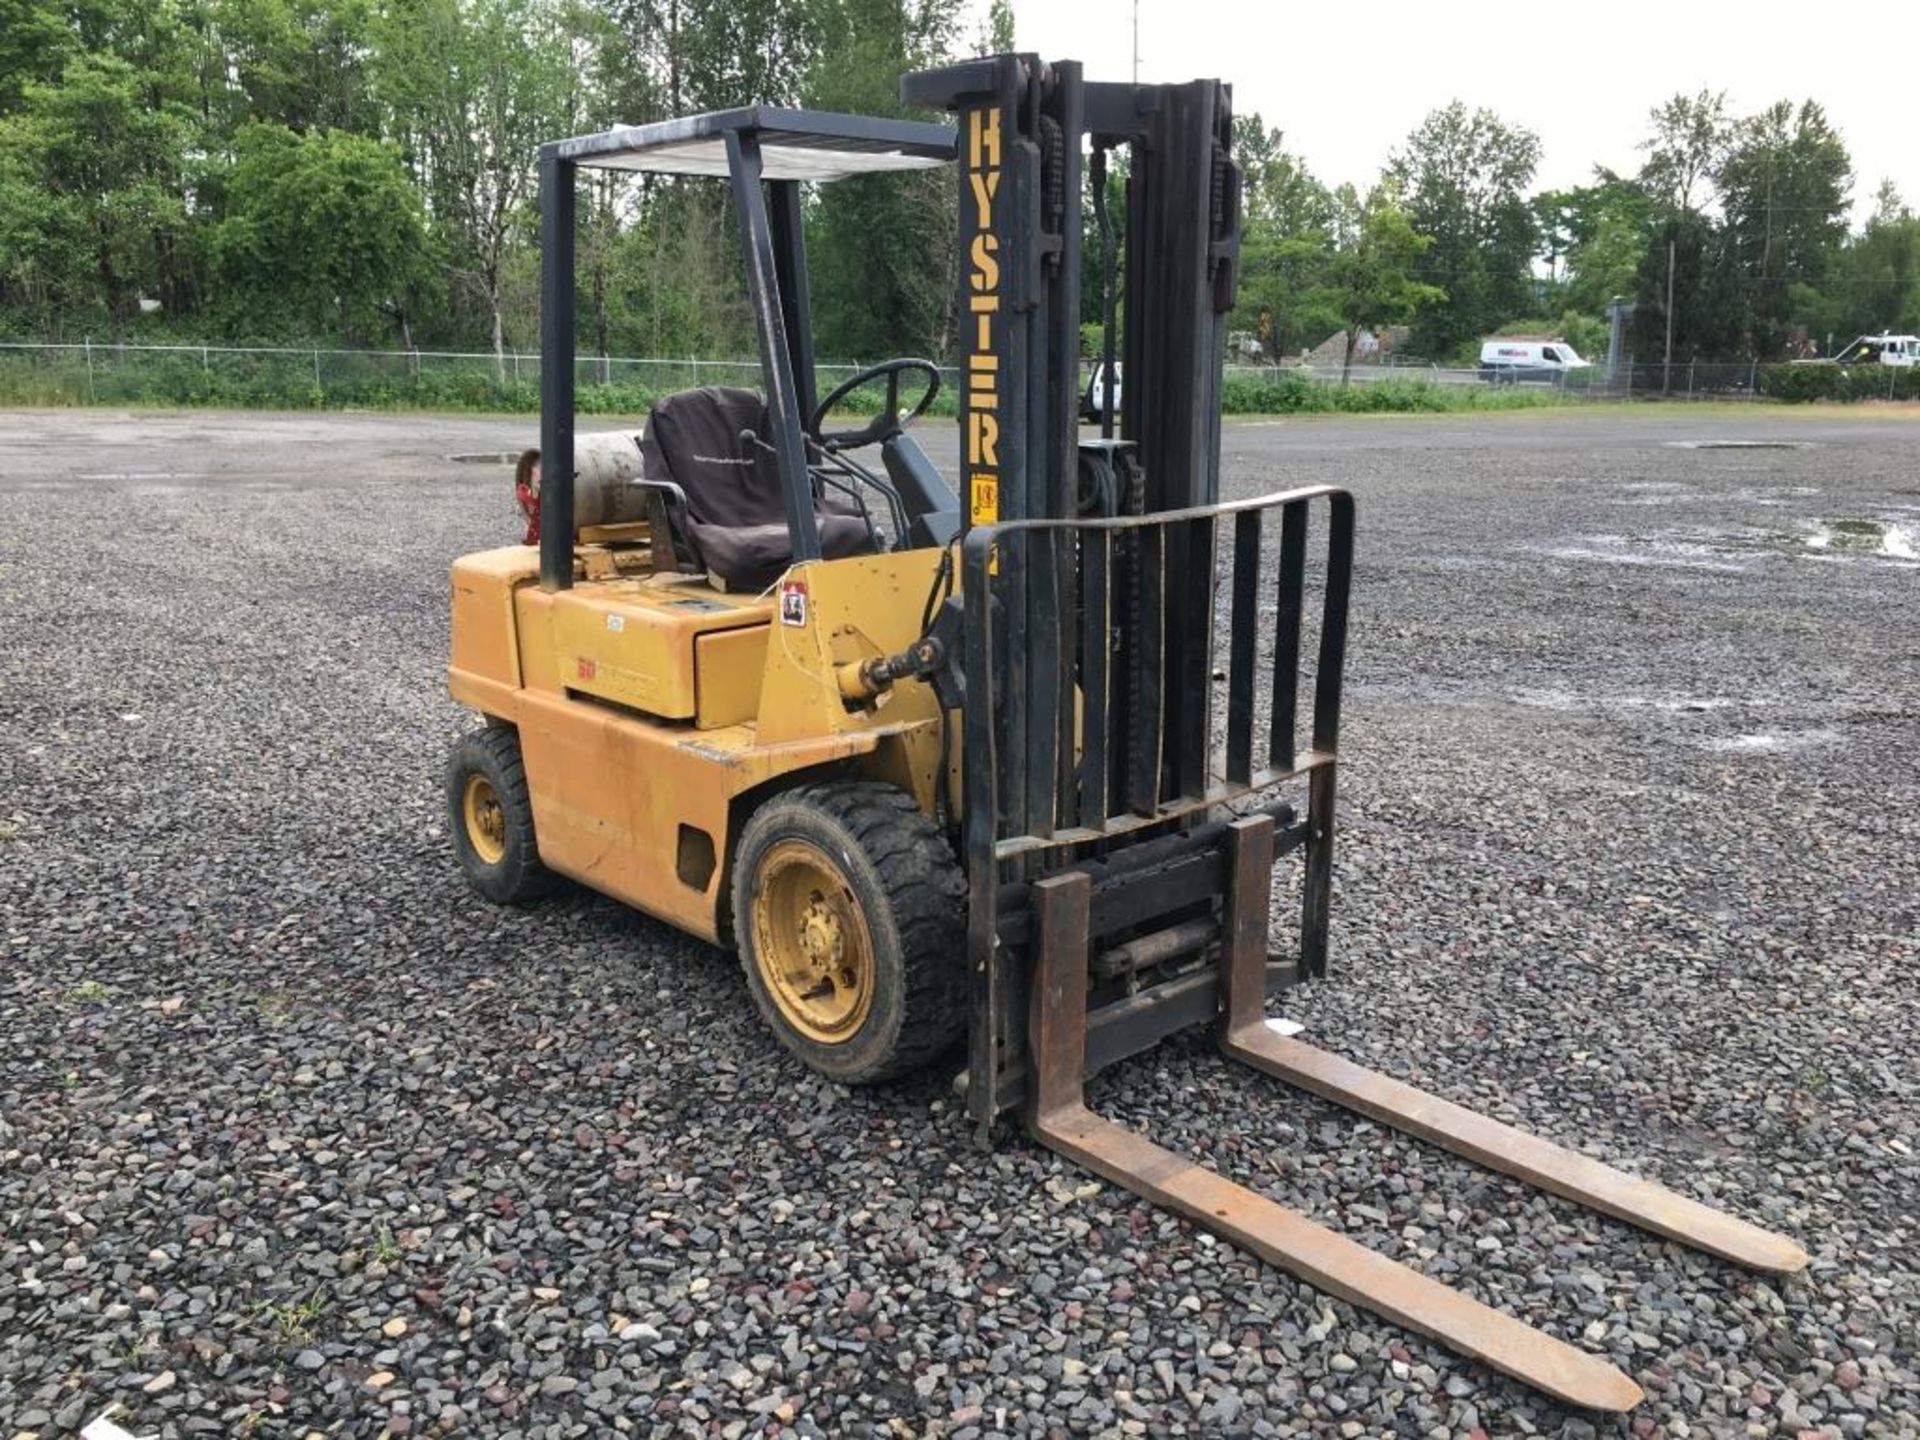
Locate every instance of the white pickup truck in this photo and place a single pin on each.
(1903, 350)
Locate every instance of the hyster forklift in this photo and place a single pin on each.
(950, 767)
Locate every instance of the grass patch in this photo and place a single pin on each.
(286, 382)
(354, 381)
(275, 1007)
(87, 992)
(1286, 392)
(293, 1322)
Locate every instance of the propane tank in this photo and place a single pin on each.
(604, 465)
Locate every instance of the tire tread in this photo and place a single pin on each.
(926, 890)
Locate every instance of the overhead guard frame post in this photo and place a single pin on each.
(556, 372)
(796, 290)
(776, 358)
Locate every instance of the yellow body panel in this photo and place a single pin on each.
(647, 704)
(485, 637)
(632, 641)
(729, 666)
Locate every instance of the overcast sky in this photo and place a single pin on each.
(1347, 81)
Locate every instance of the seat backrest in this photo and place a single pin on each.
(693, 439)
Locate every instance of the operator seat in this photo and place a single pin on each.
(735, 518)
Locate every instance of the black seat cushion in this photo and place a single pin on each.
(736, 510)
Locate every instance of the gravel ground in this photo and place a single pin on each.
(297, 1135)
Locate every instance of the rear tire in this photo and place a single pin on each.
(491, 817)
(849, 909)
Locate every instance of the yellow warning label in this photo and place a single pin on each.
(983, 499)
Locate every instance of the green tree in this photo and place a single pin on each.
(1593, 237)
(1689, 143)
(1611, 222)
(35, 44)
(325, 230)
(1464, 175)
(1690, 259)
(93, 176)
(710, 54)
(1370, 277)
(996, 29)
(1286, 243)
(300, 63)
(1784, 188)
(1875, 285)
(881, 246)
(472, 88)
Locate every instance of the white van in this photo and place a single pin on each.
(1511, 360)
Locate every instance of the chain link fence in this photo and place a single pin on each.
(1684, 379)
(1637, 380)
(86, 373)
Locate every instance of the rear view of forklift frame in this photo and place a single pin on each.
(1120, 834)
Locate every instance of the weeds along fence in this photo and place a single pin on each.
(310, 377)
(315, 377)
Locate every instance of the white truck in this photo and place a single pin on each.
(1901, 350)
(1519, 359)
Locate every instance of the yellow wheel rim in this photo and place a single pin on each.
(486, 822)
(811, 943)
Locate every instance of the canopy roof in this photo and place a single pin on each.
(794, 144)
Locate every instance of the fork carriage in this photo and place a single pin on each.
(1094, 743)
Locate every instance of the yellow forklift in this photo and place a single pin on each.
(1004, 769)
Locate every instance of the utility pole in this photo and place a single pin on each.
(1666, 370)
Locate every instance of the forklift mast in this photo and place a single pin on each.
(1023, 126)
(1089, 567)
(1121, 827)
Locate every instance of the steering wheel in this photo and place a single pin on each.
(891, 420)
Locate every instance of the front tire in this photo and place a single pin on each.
(491, 817)
(849, 911)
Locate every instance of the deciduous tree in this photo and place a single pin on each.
(325, 232)
(1691, 135)
(1370, 278)
(1464, 175)
(1287, 243)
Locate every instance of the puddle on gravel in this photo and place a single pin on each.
(1770, 742)
(1864, 537)
(141, 476)
(1687, 720)
(1739, 444)
(1735, 550)
(486, 457)
(1550, 699)
(1658, 553)
(1645, 494)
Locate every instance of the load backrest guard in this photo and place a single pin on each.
(1120, 806)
